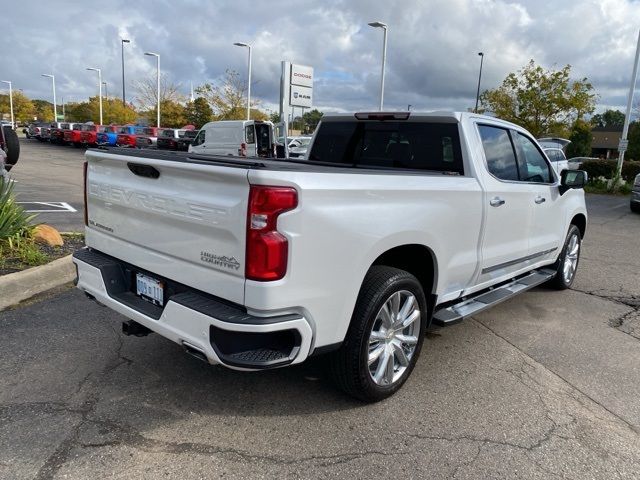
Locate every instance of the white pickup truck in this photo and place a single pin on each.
(394, 222)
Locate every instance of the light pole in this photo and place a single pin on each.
(383, 26)
(99, 88)
(479, 78)
(106, 94)
(622, 146)
(13, 125)
(240, 44)
(122, 42)
(157, 55)
(55, 108)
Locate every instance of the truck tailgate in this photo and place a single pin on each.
(186, 224)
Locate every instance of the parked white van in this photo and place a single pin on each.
(247, 138)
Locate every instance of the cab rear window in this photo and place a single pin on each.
(394, 145)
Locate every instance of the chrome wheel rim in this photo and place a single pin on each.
(571, 258)
(393, 338)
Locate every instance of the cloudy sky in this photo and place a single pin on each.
(432, 60)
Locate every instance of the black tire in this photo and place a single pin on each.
(635, 207)
(560, 281)
(12, 147)
(349, 365)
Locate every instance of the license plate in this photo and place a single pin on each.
(150, 289)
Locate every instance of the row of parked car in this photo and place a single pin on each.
(251, 138)
(91, 135)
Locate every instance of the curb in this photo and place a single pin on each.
(19, 286)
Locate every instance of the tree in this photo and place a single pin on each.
(147, 92)
(228, 98)
(172, 114)
(23, 108)
(112, 111)
(115, 112)
(311, 119)
(610, 118)
(43, 110)
(543, 101)
(274, 117)
(633, 151)
(198, 112)
(580, 137)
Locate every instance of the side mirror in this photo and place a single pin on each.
(572, 179)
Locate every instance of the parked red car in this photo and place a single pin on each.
(73, 136)
(127, 136)
(147, 138)
(89, 136)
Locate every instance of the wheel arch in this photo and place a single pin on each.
(418, 260)
(580, 221)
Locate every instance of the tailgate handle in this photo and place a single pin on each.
(143, 170)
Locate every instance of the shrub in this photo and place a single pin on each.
(599, 168)
(607, 169)
(13, 219)
(630, 170)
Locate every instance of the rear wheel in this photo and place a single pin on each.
(12, 147)
(385, 336)
(567, 263)
(635, 207)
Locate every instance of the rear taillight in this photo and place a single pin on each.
(267, 249)
(86, 206)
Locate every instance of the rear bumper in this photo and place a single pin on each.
(224, 333)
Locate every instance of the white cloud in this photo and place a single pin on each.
(432, 51)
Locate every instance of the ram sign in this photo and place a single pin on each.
(301, 96)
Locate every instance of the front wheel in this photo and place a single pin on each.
(385, 336)
(567, 264)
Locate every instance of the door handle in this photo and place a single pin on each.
(540, 199)
(496, 202)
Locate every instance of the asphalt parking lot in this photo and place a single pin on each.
(49, 182)
(543, 386)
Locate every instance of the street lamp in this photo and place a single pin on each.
(240, 44)
(55, 108)
(99, 88)
(383, 26)
(122, 42)
(479, 77)
(13, 125)
(157, 55)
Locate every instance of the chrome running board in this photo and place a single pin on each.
(474, 304)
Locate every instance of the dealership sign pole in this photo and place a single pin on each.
(296, 90)
(622, 147)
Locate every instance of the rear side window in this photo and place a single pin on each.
(389, 144)
(499, 152)
(250, 134)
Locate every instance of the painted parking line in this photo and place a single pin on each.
(47, 207)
